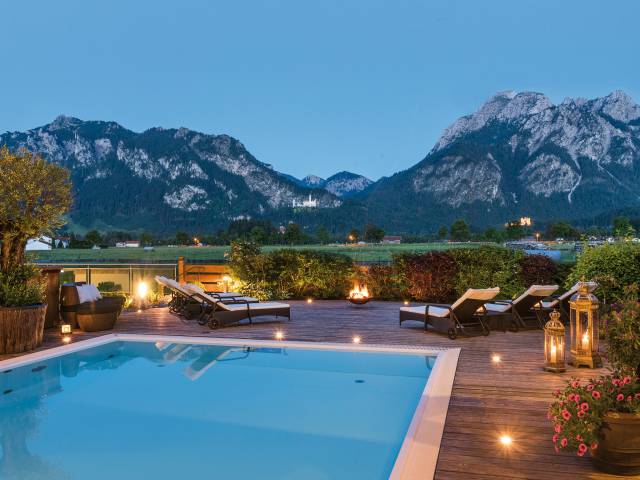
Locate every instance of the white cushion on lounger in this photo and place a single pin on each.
(252, 306)
(475, 294)
(550, 304)
(497, 307)
(433, 311)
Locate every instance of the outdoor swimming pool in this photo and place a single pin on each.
(167, 409)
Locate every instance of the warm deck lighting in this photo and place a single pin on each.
(139, 310)
(496, 359)
(279, 335)
(66, 338)
(406, 302)
(309, 300)
(143, 290)
(506, 440)
(356, 339)
(65, 329)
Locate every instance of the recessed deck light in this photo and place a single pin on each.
(496, 359)
(279, 335)
(357, 339)
(506, 440)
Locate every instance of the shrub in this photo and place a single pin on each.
(289, 273)
(613, 266)
(385, 282)
(109, 287)
(487, 267)
(21, 286)
(429, 276)
(623, 334)
(538, 270)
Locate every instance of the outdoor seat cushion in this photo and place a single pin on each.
(551, 304)
(99, 306)
(253, 306)
(497, 307)
(433, 311)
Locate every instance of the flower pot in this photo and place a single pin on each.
(21, 328)
(619, 449)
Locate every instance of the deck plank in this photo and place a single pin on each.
(487, 399)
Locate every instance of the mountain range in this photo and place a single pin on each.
(517, 155)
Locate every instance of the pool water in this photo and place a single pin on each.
(149, 410)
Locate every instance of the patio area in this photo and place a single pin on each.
(489, 398)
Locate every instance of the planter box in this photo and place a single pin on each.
(619, 449)
(21, 328)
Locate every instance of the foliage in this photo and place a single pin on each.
(20, 286)
(373, 233)
(613, 266)
(460, 231)
(578, 412)
(289, 273)
(353, 235)
(294, 234)
(622, 228)
(488, 267)
(182, 238)
(563, 230)
(385, 282)
(34, 196)
(109, 287)
(429, 277)
(442, 232)
(93, 237)
(623, 334)
(538, 270)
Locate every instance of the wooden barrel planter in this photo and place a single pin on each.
(21, 328)
(619, 449)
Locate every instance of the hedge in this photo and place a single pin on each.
(613, 266)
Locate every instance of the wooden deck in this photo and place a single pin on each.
(488, 399)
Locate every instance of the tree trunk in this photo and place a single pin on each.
(21, 328)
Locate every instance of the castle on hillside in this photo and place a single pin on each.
(307, 203)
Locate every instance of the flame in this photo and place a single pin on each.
(359, 291)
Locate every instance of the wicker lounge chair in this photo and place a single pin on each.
(220, 314)
(526, 311)
(182, 302)
(465, 316)
(561, 302)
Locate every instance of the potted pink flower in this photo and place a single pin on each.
(602, 416)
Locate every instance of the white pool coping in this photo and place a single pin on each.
(418, 455)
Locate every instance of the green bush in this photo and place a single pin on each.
(289, 273)
(109, 287)
(538, 270)
(21, 286)
(613, 266)
(386, 282)
(430, 276)
(487, 267)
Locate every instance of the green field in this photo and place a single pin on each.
(362, 253)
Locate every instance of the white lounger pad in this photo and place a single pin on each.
(497, 307)
(252, 306)
(433, 311)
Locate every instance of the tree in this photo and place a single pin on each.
(353, 235)
(182, 238)
(323, 235)
(294, 235)
(373, 233)
(258, 235)
(460, 231)
(35, 195)
(514, 231)
(146, 239)
(442, 233)
(493, 235)
(622, 228)
(92, 238)
(562, 230)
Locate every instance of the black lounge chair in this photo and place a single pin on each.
(218, 314)
(465, 316)
(526, 311)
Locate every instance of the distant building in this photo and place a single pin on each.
(394, 239)
(42, 243)
(522, 222)
(62, 242)
(308, 203)
(128, 244)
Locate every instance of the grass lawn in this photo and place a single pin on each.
(362, 253)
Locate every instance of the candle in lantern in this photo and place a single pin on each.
(553, 352)
(585, 341)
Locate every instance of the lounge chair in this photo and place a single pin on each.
(224, 297)
(464, 316)
(526, 311)
(182, 302)
(220, 314)
(561, 302)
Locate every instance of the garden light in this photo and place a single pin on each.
(279, 335)
(309, 300)
(583, 319)
(554, 344)
(506, 440)
(356, 339)
(143, 290)
(496, 359)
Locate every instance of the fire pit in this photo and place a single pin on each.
(359, 294)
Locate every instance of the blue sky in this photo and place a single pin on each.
(308, 86)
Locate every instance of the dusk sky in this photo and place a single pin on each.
(308, 86)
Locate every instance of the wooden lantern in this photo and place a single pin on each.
(584, 328)
(554, 344)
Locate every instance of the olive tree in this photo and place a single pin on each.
(34, 195)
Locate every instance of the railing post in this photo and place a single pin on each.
(181, 272)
